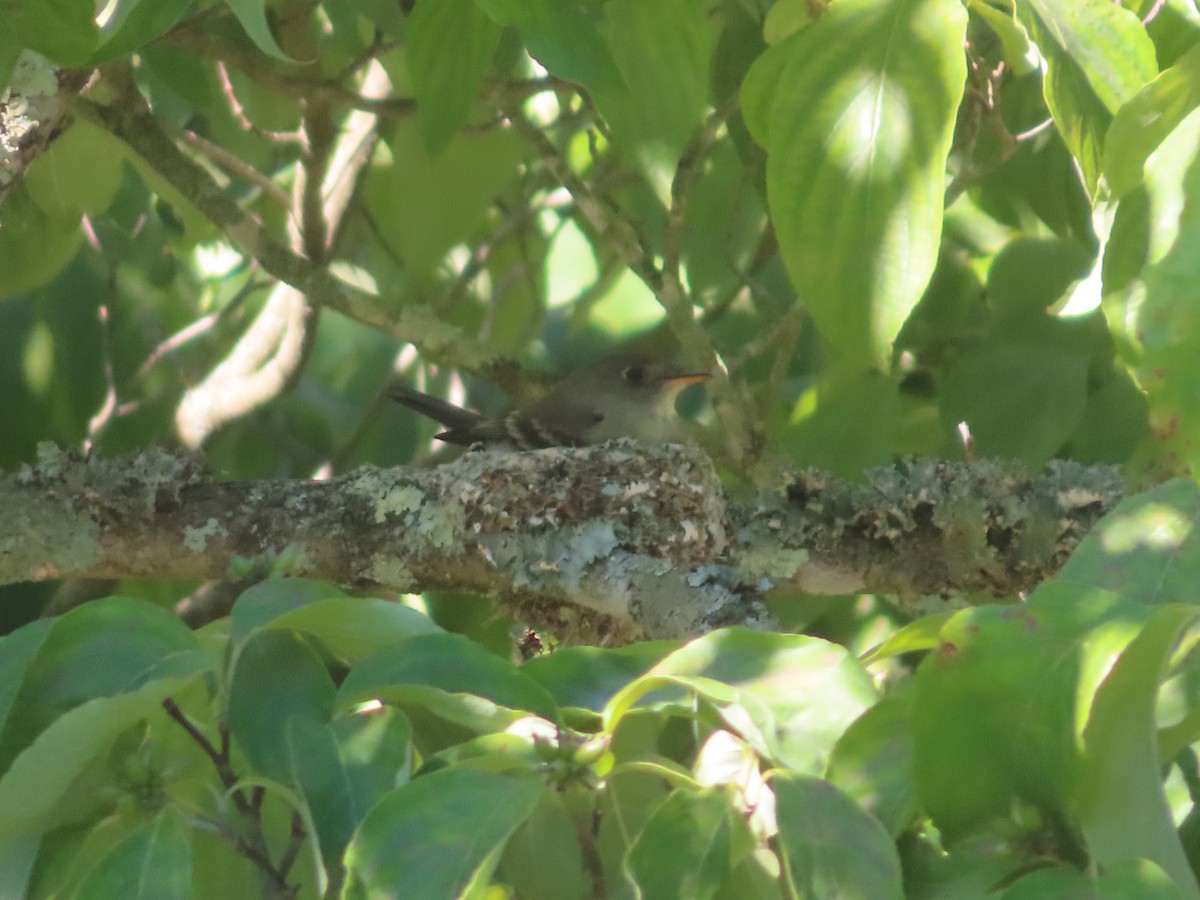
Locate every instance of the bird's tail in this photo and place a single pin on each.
(458, 421)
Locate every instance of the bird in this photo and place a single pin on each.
(625, 394)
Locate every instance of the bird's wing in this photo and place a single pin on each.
(550, 423)
(544, 424)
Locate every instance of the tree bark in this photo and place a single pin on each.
(648, 538)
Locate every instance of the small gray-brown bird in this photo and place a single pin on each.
(624, 394)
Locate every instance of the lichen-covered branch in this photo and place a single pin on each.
(645, 537)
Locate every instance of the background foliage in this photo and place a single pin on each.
(884, 217)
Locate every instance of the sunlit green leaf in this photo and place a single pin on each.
(1000, 707)
(1147, 549)
(789, 696)
(1097, 56)
(1142, 123)
(663, 50)
(78, 175)
(1123, 812)
(857, 112)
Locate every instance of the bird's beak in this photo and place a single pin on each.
(682, 381)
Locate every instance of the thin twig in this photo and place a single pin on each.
(99, 423)
(295, 842)
(1154, 11)
(201, 326)
(235, 166)
(239, 112)
(1034, 131)
(252, 845)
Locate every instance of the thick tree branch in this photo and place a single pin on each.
(644, 536)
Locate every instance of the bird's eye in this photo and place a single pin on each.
(635, 375)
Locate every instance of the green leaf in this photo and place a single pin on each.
(33, 785)
(342, 769)
(62, 30)
(252, 14)
(564, 36)
(588, 677)
(830, 846)
(1114, 423)
(503, 751)
(921, 634)
(43, 243)
(1031, 274)
(1123, 812)
(789, 696)
(663, 51)
(18, 853)
(1142, 123)
(1147, 549)
(684, 850)
(437, 835)
(1098, 56)
(79, 174)
(1106, 41)
(543, 857)
(760, 89)
(857, 112)
(10, 51)
(152, 863)
(1160, 314)
(1019, 53)
(266, 601)
(452, 677)
(137, 23)
(449, 44)
(1001, 705)
(1141, 879)
(786, 17)
(872, 763)
(105, 648)
(1145, 229)
(278, 677)
(429, 204)
(352, 628)
(16, 651)
(1021, 396)
(853, 427)
(1174, 28)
